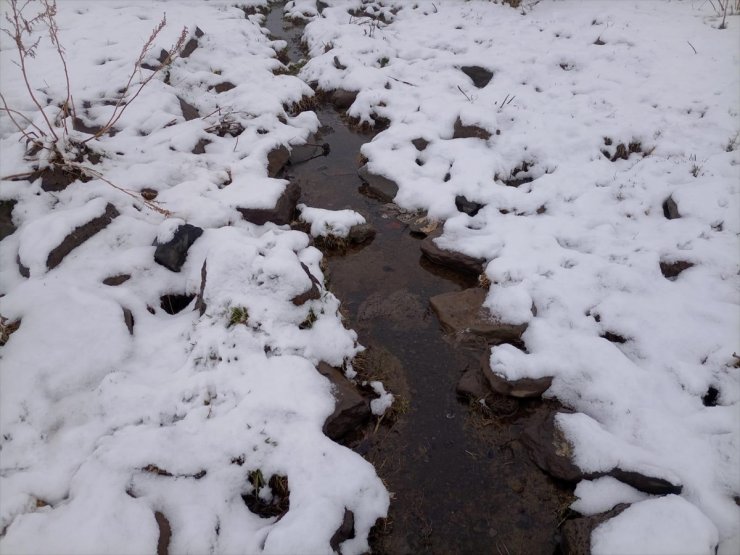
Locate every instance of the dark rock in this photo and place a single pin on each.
(339, 65)
(200, 302)
(670, 270)
(81, 234)
(451, 259)
(128, 318)
(377, 185)
(522, 388)
(549, 449)
(222, 87)
(352, 409)
(281, 214)
(480, 75)
(423, 226)
(648, 484)
(711, 397)
(277, 158)
(174, 303)
(420, 144)
(116, 280)
(304, 153)
(462, 312)
(7, 227)
(670, 209)
(22, 270)
(343, 99)
(473, 383)
(467, 206)
(312, 293)
(162, 56)
(173, 253)
(191, 45)
(200, 146)
(467, 131)
(613, 337)
(189, 112)
(576, 533)
(360, 233)
(148, 194)
(345, 532)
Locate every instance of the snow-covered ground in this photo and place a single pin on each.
(91, 409)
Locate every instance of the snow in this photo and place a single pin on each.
(575, 253)
(329, 222)
(88, 408)
(668, 525)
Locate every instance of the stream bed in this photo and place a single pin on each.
(460, 479)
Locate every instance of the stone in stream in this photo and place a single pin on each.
(469, 131)
(576, 533)
(469, 207)
(81, 234)
(378, 185)
(7, 227)
(277, 158)
(283, 211)
(173, 253)
(452, 259)
(463, 312)
(351, 410)
(312, 293)
(479, 75)
(549, 449)
(360, 233)
(522, 388)
(343, 99)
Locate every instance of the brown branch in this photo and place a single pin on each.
(25, 133)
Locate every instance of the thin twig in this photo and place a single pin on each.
(692, 47)
(462, 91)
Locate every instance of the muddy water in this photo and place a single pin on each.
(460, 480)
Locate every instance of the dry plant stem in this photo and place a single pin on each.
(121, 106)
(21, 24)
(25, 133)
(52, 27)
(92, 173)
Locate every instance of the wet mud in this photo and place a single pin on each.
(459, 476)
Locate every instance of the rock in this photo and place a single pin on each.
(81, 234)
(116, 280)
(473, 383)
(277, 158)
(191, 45)
(462, 312)
(671, 270)
(128, 318)
(312, 293)
(345, 532)
(467, 131)
(189, 112)
(549, 449)
(343, 99)
(148, 194)
(648, 484)
(22, 270)
(200, 146)
(173, 253)
(420, 144)
(576, 533)
(281, 214)
(670, 209)
(304, 153)
(352, 409)
(451, 259)
(467, 206)
(360, 233)
(423, 226)
(377, 185)
(7, 227)
(222, 87)
(200, 302)
(523, 388)
(480, 75)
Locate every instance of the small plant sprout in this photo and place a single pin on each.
(238, 315)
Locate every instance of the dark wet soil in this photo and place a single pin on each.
(460, 479)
